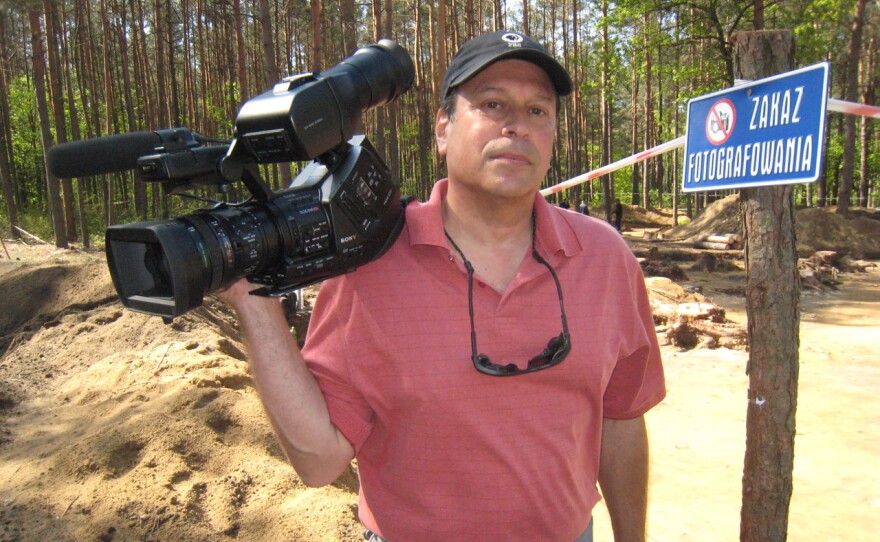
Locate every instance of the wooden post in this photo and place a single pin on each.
(772, 305)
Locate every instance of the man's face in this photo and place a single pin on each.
(501, 138)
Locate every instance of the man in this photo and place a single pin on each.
(618, 215)
(583, 208)
(416, 363)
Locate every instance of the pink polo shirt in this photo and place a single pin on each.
(447, 453)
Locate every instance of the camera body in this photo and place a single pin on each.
(329, 221)
(342, 211)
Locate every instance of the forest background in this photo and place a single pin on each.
(72, 69)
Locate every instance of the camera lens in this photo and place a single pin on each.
(235, 243)
(157, 265)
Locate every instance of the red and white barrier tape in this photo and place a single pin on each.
(604, 170)
(834, 104)
(853, 109)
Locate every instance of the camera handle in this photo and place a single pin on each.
(232, 168)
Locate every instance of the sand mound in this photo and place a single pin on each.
(822, 229)
(722, 216)
(114, 426)
(816, 228)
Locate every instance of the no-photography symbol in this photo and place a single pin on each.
(720, 121)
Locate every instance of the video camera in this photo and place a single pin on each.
(342, 211)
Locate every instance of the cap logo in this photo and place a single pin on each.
(513, 40)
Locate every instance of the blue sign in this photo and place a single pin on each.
(766, 132)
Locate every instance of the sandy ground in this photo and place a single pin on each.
(114, 426)
(698, 434)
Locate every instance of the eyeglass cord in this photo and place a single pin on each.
(470, 274)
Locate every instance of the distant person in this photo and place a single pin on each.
(583, 208)
(618, 214)
(565, 204)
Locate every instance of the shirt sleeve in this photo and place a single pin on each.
(327, 356)
(637, 382)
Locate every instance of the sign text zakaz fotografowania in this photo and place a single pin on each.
(765, 132)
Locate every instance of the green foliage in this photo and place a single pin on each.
(820, 27)
(834, 148)
(27, 150)
(220, 118)
(623, 183)
(35, 221)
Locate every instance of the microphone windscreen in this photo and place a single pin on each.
(100, 155)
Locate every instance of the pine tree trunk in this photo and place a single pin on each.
(869, 84)
(822, 183)
(392, 109)
(772, 304)
(605, 112)
(637, 169)
(849, 121)
(110, 194)
(676, 92)
(53, 33)
(317, 40)
(164, 118)
(6, 175)
(572, 117)
(379, 140)
(648, 113)
(240, 54)
(53, 193)
(425, 112)
(349, 27)
(76, 135)
(171, 65)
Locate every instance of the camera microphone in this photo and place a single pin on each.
(118, 152)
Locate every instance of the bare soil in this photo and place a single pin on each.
(115, 426)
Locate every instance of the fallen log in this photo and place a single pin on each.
(720, 241)
(699, 311)
(688, 334)
(713, 245)
(32, 236)
(725, 330)
(825, 257)
(726, 238)
(855, 266)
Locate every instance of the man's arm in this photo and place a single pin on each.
(289, 392)
(623, 476)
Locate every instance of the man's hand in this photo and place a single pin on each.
(623, 477)
(236, 293)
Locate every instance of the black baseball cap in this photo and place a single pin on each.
(478, 53)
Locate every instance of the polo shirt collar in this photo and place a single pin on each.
(424, 224)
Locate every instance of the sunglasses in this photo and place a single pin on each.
(557, 348)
